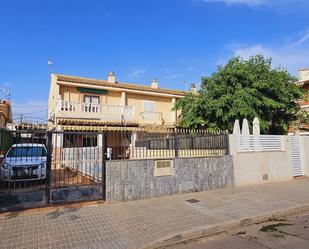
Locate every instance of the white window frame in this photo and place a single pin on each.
(149, 101)
(91, 96)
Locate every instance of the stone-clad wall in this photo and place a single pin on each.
(134, 179)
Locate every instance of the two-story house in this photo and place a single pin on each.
(85, 104)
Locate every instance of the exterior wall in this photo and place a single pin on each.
(134, 179)
(5, 112)
(259, 167)
(53, 95)
(163, 105)
(72, 94)
(2, 121)
(305, 146)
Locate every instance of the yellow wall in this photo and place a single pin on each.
(113, 98)
(162, 104)
(72, 94)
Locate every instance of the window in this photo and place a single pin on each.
(90, 140)
(92, 99)
(148, 106)
(78, 141)
(91, 103)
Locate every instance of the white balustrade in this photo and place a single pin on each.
(68, 106)
(151, 116)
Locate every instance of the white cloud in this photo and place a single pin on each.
(292, 55)
(269, 3)
(174, 76)
(302, 39)
(246, 2)
(190, 68)
(136, 73)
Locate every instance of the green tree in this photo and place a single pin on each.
(243, 89)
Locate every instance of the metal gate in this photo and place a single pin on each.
(40, 168)
(77, 166)
(296, 155)
(23, 170)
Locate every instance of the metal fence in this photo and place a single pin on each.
(162, 143)
(258, 143)
(70, 166)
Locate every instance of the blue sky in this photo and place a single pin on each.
(176, 41)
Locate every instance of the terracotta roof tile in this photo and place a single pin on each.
(123, 85)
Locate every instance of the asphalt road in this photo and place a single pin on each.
(288, 233)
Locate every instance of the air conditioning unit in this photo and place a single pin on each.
(163, 168)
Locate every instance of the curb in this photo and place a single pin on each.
(224, 227)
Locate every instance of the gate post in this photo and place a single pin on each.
(176, 142)
(48, 167)
(227, 144)
(103, 149)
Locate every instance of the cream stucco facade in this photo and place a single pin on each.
(75, 102)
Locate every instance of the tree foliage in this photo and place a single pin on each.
(243, 89)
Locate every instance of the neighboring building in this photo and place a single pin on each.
(5, 113)
(304, 82)
(84, 104)
(5, 120)
(304, 103)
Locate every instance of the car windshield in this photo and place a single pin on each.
(27, 152)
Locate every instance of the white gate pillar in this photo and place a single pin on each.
(57, 142)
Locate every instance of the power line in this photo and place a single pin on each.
(18, 114)
(34, 106)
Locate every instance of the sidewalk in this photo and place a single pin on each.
(143, 223)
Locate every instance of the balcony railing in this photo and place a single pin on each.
(68, 106)
(151, 117)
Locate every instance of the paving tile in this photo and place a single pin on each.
(132, 224)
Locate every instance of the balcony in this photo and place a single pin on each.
(70, 109)
(151, 118)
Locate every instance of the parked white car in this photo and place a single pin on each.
(24, 162)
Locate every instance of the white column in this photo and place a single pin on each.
(123, 99)
(123, 102)
(174, 113)
(100, 146)
(59, 103)
(57, 141)
(132, 145)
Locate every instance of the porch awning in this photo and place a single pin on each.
(98, 128)
(91, 90)
(94, 122)
(75, 124)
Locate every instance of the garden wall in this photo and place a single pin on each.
(135, 179)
